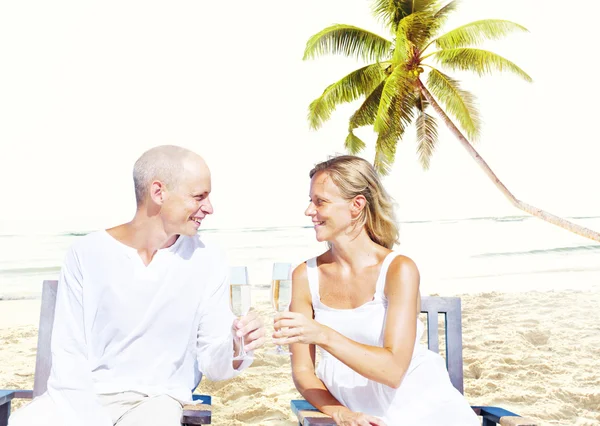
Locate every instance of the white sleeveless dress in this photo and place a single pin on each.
(426, 395)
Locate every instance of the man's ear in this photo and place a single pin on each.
(157, 192)
(358, 204)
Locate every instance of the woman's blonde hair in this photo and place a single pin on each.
(356, 176)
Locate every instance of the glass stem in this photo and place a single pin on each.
(242, 350)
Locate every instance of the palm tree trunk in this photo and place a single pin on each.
(548, 217)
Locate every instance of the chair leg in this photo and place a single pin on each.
(488, 422)
(4, 413)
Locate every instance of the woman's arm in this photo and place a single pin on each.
(387, 364)
(303, 356)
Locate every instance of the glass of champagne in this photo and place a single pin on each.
(281, 293)
(239, 300)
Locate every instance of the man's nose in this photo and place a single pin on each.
(207, 207)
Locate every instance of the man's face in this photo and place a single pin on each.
(185, 206)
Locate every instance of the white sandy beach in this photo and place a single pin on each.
(535, 353)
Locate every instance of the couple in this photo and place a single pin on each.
(142, 310)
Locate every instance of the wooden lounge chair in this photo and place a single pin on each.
(450, 307)
(199, 414)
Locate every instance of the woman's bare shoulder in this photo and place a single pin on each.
(403, 270)
(403, 262)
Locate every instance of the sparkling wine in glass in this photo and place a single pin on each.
(239, 300)
(281, 296)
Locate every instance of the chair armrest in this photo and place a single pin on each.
(308, 415)
(6, 396)
(197, 414)
(503, 417)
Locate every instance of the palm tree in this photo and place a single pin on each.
(395, 95)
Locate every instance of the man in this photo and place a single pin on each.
(142, 309)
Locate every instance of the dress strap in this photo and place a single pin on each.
(312, 273)
(380, 286)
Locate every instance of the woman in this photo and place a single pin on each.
(359, 303)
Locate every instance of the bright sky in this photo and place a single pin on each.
(86, 87)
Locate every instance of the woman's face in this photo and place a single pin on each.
(330, 213)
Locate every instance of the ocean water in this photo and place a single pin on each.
(454, 256)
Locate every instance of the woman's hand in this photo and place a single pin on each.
(351, 418)
(294, 327)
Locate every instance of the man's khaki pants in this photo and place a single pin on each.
(125, 409)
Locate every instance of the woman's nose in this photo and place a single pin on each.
(310, 210)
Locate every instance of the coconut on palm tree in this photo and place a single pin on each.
(395, 93)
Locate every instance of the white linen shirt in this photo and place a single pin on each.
(123, 326)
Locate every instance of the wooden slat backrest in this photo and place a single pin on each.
(451, 309)
(43, 361)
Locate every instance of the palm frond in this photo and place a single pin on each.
(349, 41)
(348, 89)
(477, 32)
(477, 60)
(400, 116)
(442, 14)
(398, 88)
(354, 144)
(459, 103)
(421, 102)
(417, 28)
(385, 153)
(366, 113)
(402, 45)
(427, 137)
(390, 12)
(429, 6)
(439, 19)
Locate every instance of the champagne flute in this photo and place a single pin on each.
(281, 293)
(239, 300)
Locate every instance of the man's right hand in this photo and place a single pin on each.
(251, 328)
(351, 418)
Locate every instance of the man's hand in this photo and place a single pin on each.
(251, 328)
(351, 418)
(293, 327)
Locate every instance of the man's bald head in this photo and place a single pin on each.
(165, 163)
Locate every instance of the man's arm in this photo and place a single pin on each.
(70, 383)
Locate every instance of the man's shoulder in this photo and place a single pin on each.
(205, 258)
(92, 239)
(205, 247)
